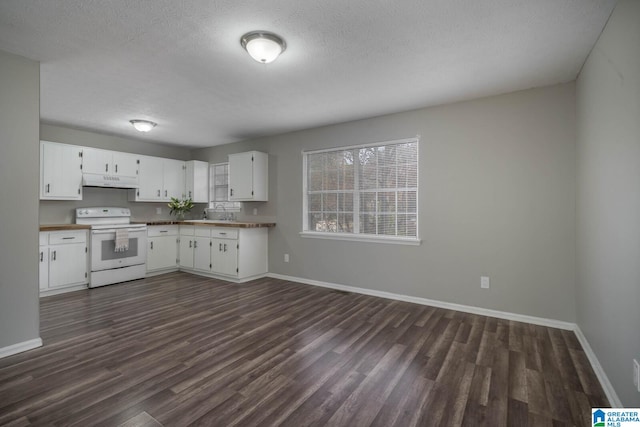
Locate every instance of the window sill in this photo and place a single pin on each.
(362, 238)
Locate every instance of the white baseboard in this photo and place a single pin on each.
(20, 347)
(614, 400)
(434, 303)
(595, 364)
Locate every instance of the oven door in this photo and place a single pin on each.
(104, 256)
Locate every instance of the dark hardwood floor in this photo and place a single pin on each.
(179, 349)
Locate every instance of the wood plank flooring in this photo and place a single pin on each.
(178, 350)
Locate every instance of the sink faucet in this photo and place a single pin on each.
(224, 210)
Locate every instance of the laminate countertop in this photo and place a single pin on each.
(234, 224)
(211, 223)
(59, 227)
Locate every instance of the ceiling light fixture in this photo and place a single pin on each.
(263, 46)
(143, 125)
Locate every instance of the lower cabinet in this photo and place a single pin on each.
(234, 253)
(162, 248)
(63, 261)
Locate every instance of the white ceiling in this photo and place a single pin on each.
(180, 63)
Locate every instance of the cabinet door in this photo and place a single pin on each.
(60, 171)
(44, 267)
(202, 253)
(67, 265)
(241, 176)
(95, 160)
(186, 251)
(224, 255)
(161, 253)
(197, 181)
(173, 177)
(150, 179)
(125, 164)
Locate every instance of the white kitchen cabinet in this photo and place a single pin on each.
(63, 261)
(98, 161)
(173, 178)
(60, 171)
(197, 181)
(237, 254)
(159, 180)
(202, 253)
(186, 247)
(224, 256)
(249, 177)
(162, 251)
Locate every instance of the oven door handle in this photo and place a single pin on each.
(130, 230)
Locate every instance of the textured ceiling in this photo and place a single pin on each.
(180, 63)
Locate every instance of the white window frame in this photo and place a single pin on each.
(356, 235)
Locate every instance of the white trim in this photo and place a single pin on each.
(609, 391)
(20, 347)
(434, 303)
(357, 237)
(369, 144)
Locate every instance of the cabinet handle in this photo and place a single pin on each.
(48, 187)
(195, 244)
(116, 168)
(223, 233)
(189, 194)
(41, 256)
(106, 167)
(164, 231)
(225, 247)
(54, 255)
(158, 193)
(231, 190)
(190, 244)
(220, 247)
(68, 238)
(165, 193)
(151, 245)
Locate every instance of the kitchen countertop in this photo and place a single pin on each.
(234, 224)
(58, 227)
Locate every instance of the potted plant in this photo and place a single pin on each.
(180, 207)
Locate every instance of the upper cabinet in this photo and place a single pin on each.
(249, 177)
(160, 180)
(95, 160)
(60, 171)
(196, 180)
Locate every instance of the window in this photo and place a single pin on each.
(219, 188)
(362, 192)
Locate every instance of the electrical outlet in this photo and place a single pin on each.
(286, 257)
(485, 282)
(636, 374)
(158, 211)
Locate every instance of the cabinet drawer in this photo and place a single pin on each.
(162, 230)
(224, 233)
(186, 230)
(61, 237)
(44, 238)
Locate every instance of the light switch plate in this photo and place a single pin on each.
(636, 374)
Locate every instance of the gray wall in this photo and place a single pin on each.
(608, 230)
(56, 212)
(19, 121)
(497, 198)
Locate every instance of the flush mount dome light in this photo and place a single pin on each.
(263, 46)
(142, 125)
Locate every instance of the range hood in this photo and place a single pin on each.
(109, 181)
